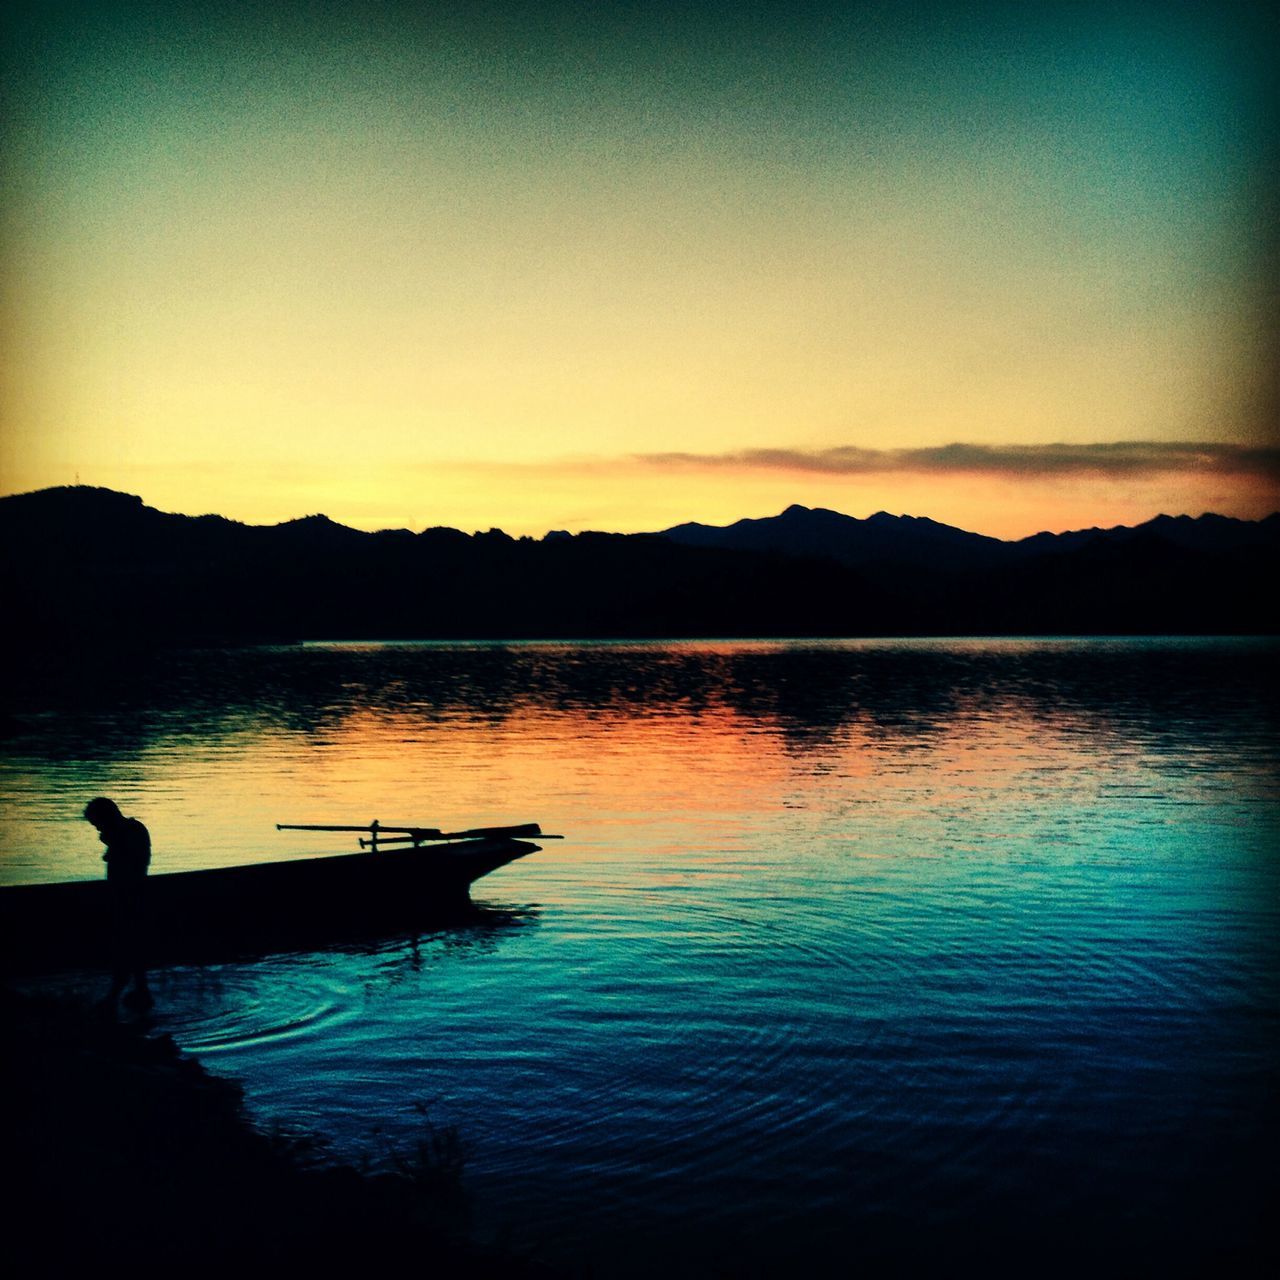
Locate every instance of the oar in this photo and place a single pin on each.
(530, 830)
(427, 833)
(380, 835)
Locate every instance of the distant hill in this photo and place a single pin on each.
(802, 531)
(1207, 533)
(884, 539)
(85, 566)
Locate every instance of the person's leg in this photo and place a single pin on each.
(128, 949)
(140, 997)
(119, 980)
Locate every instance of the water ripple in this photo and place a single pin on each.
(849, 941)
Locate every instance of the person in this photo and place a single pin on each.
(127, 857)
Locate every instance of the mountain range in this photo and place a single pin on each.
(88, 566)
(917, 540)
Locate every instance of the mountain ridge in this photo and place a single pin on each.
(111, 501)
(911, 539)
(94, 567)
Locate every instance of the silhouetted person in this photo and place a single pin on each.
(127, 857)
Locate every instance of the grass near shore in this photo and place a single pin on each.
(121, 1147)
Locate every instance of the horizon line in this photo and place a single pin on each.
(560, 533)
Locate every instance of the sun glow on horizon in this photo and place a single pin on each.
(633, 496)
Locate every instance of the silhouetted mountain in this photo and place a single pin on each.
(91, 566)
(887, 540)
(1209, 533)
(802, 531)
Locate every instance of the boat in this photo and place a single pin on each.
(403, 878)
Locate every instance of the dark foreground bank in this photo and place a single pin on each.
(120, 1147)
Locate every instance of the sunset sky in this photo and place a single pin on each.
(618, 266)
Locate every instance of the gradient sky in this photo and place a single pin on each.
(568, 266)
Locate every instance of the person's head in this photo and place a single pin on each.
(103, 812)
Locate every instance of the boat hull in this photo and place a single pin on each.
(240, 910)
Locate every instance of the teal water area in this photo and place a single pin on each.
(879, 950)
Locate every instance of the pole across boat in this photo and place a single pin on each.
(380, 833)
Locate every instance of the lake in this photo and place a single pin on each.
(852, 949)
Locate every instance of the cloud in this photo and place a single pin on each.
(1120, 458)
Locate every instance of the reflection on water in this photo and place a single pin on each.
(849, 941)
(228, 1007)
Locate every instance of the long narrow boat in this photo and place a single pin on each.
(264, 906)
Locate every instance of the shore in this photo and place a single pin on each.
(121, 1147)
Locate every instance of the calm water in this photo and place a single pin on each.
(851, 946)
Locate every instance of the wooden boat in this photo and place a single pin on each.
(423, 877)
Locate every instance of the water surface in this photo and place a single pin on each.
(851, 945)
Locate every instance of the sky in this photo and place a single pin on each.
(568, 266)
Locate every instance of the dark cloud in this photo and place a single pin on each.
(1121, 458)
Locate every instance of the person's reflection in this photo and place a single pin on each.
(127, 857)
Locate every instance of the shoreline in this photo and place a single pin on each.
(122, 1146)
